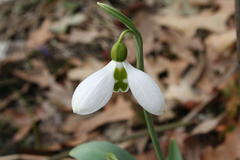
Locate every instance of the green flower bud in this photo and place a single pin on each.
(119, 51)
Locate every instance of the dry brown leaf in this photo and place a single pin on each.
(9, 99)
(22, 132)
(22, 121)
(85, 37)
(71, 123)
(185, 91)
(179, 7)
(116, 131)
(40, 36)
(192, 148)
(154, 35)
(154, 66)
(82, 36)
(15, 116)
(89, 66)
(27, 120)
(141, 144)
(118, 112)
(225, 6)
(14, 57)
(182, 92)
(147, 156)
(83, 138)
(218, 67)
(220, 42)
(215, 22)
(38, 75)
(61, 25)
(207, 125)
(199, 2)
(180, 45)
(41, 76)
(148, 30)
(229, 150)
(57, 92)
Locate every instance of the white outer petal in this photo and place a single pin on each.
(95, 91)
(145, 90)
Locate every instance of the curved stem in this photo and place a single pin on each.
(140, 65)
(123, 34)
(148, 117)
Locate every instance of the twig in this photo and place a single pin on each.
(196, 110)
(23, 156)
(158, 129)
(13, 96)
(59, 155)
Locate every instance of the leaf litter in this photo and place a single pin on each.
(48, 47)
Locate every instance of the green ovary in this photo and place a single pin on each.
(120, 76)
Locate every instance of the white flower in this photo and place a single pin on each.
(96, 90)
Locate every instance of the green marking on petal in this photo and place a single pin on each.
(124, 87)
(120, 86)
(120, 76)
(116, 87)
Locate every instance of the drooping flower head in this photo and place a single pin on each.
(117, 76)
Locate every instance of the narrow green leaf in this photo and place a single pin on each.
(174, 151)
(100, 150)
(117, 14)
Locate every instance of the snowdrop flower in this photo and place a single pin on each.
(117, 76)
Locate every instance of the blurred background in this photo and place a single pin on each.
(47, 47)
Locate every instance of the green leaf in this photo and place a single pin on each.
(117, 14)
(100, 150)
(174, 151)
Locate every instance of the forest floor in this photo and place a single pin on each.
(47, 47)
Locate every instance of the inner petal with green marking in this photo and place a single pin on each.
(120, 76)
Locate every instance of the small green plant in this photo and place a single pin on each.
(118, 76)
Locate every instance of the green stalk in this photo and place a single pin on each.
(148, 117)
(140, 65)
(153, 134)
(120, 38)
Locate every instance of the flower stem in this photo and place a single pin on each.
(123, 34)
(153, 134)
(148, 117)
